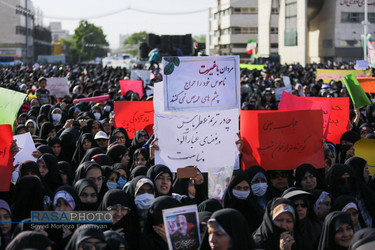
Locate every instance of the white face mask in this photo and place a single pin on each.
(259, 189)
(144, 201)
(97, 116)
(56, 117)
(107, 108)
(242, 195)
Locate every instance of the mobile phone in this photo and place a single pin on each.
(183, 173)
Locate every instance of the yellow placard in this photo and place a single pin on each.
(328, 75)
(365, 148)
(252, 66)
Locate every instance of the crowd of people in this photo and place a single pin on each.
(84, 163)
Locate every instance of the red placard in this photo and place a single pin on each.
(6, 158)
(133, 85)
(134, 115)
(292, 102)
(339, 117)
(367, 83)
(282, 140)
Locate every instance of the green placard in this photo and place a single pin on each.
(359, 97)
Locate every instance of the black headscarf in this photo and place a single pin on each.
(74, 195)
(30, 240)
(144, 152)
(358, 164)
(69, 138)
(82, 233)
(102, 159)
(79, 186)
(138, 171)
(67, 169)
(90, 153)
(245, 207)
(53, 177)
(116, 153)
(364, 239)
(210, 205)
(128, 222)
(155, 171)
(235, 227)
(79, 151)
(302, 170)
(343, 200)
(115, 240)
(122, 130)
(28, 167)
(44, 149)
(46, 128)
(267, 236)
(28, 197)
(332, 223)
(55, 140)
(136, 136)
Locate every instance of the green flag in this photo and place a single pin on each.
(359, 97)
(10, 103)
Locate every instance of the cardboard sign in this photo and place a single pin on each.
(359, 97)
(292, 102)
(361, 65)
(133, 85)
(283, 140)
(134, 115)
(328, 75)
(339, 117)
(182, 227)
(218, 181)
(6, 157)
(27, 147)
(58, 86)
(10, 103)
(201, 83)
(367, 83)
(365, 148)
(138, 74)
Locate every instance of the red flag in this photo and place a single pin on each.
(6, 157)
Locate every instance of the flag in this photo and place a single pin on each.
(371, 54)
(251, 46)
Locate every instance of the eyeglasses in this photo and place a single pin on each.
(98, 179)
(120, 138)
(118, 208)
(278, 174)
(87, 245)
(144, 136)
(302, 205)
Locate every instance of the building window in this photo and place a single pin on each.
(356, 17)
(239, 45)
(327, 43)
(254, 11)
(275, 11)
(244, 30)
(274, 45)
(274, 30)
(20, 30)
(236, 10)
(350, 43)
(245, 11)
(290, 33)
(236, 30)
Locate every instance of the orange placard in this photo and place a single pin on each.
(134, 115)
(282, 140)
(134, 85)
(339, 117)
(367, 83)
(6, 158)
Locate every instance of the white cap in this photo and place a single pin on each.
(101, 135)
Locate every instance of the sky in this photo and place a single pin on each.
(189, 17)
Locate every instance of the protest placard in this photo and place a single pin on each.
(134, 115)
(6, 157)
(359, 97)
(158, 99)
(292, 102)
(58, 86)
(182, 227)
(328, 75)
(133, 85)
(339, 117)
(92, 99)
(283, 140)
(196, 139)
(138, 74)
(365, 149)
(26, 146)
(367, 83)
(361, 64)
(279, 92)
(252, 66)
(10, 103)
(218, 180)
(201, 83)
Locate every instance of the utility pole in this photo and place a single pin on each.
(365, 23)
(27, 30)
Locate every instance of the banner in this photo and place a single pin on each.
(58, 86)
(365, 149)
(134, 115)
(138, 74)
(133, 85)
(182, 227)
(339, 117)
(282, 140)
(367, 84)
(201, 83)
(359, 97)
(252, 66)
(371, 53)
(205, 140)
(6, 157)
(10, 103)
(26, 146)
(292, 102)
(92, 99)
(328, 75)
(218, 180)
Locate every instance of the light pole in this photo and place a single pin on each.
(83, 45)
(365, 23)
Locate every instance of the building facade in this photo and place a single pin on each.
(232, 23)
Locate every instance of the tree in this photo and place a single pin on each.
(199, 39)
(136, 38)
(90, 41)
